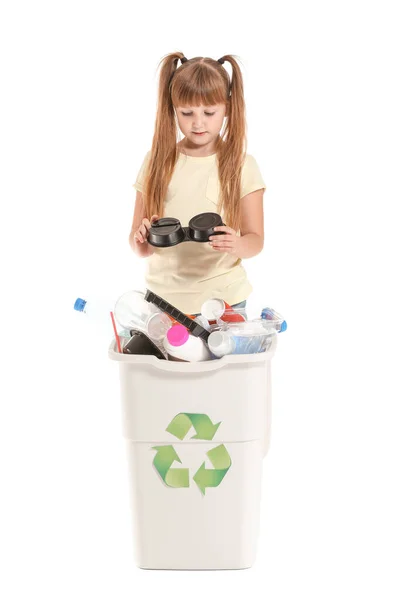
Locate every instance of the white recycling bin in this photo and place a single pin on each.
(196, 436)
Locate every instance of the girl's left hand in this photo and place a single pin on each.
(230, 242)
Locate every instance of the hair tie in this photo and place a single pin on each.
(183, 59)
(221, 60)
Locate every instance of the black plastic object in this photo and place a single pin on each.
(140, 343)
(168, 231)
(194, 328)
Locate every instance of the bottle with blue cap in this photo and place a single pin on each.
(131, 311)
(97, 313)
(273, 319)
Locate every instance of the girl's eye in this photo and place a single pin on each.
(207, 114)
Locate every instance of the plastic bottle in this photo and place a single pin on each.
(215, 309)
(269, 319)
(242, 338)
(131, 311)
(180, 345)
(272, 318)
(98, 315)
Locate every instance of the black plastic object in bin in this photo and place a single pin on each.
(168, 231)
(194, 328)
(140, 343)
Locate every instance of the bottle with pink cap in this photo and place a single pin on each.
(181, 345)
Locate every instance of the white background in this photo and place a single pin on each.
(78, 102)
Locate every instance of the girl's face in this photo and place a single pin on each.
(204, 120)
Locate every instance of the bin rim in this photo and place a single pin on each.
(192, 367)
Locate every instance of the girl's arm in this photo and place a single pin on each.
(251, 239)
(139, 229)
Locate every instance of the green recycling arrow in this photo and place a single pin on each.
(205, 429)
(221, 462)
(163, 460)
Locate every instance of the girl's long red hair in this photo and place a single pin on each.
(198, 81)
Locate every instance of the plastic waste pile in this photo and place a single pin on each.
(148, 324)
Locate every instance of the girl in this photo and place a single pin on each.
(207, 171)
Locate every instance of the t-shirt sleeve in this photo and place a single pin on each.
(138, 185)
(251, 177)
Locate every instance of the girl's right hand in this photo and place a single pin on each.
(141, 234)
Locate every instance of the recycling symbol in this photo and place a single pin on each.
(167, 455)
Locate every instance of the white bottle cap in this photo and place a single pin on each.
(213, 309)
(220, 343)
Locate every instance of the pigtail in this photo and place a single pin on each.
(163, 152)
(232, 154)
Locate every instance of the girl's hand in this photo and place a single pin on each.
(229, 242)
(142, 233)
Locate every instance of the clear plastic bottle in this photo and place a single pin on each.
(269, 318)
(241, 338)
(273, 319)
(131, 311)
(98, 314)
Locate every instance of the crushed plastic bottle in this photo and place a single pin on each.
(273, 319)
(250, 337)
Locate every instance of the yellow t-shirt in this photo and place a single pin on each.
(191, 272)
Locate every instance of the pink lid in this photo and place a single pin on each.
(177, 335)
